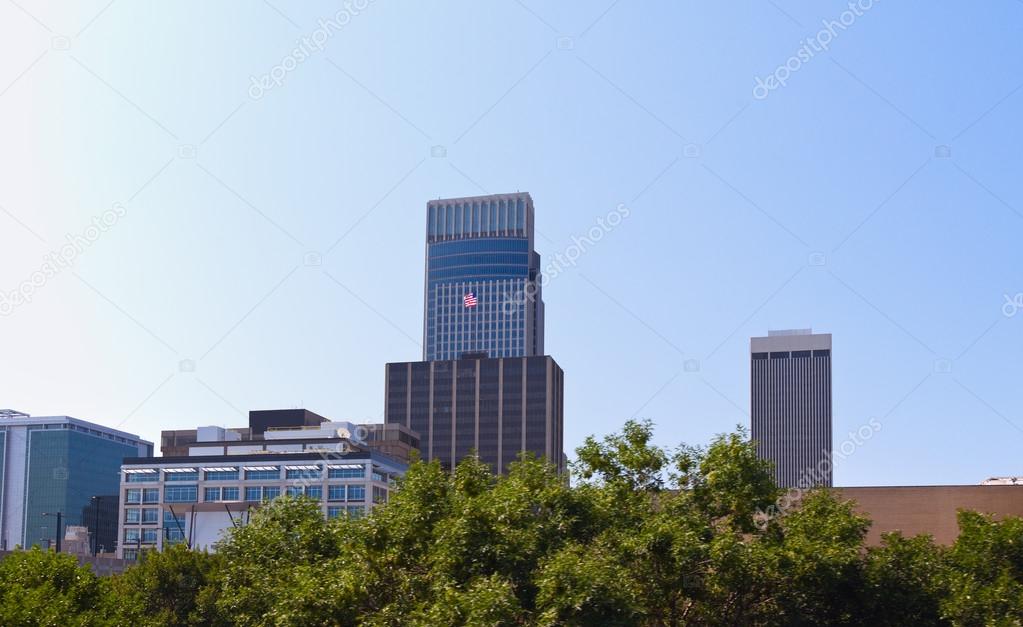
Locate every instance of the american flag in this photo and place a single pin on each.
(469, 300)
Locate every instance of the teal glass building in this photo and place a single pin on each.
(56, 464)
(483, 279)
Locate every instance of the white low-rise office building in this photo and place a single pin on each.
(194, 499)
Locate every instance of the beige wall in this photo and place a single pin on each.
(930, 509)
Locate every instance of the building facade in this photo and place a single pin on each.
(194, 499)
(303, 427)
(55, 464)
(497, 407)
(931, 509)
(790, 405)
(483, 282)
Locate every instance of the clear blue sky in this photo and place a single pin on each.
(875, 196)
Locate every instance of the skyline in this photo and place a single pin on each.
(262, 252)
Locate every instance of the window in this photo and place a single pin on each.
(132, 515)
(173, 535)
(294, 490)
(230, 494)
(253, 493)
(336, 493)
(800, 354)
(211, 495)
(356, 511)
(151, 495)
(314, 492)
(353, 472)
(141, 477)
(780, 355)
(131, 536)
(379, 495)
(271, 492)
(149, 536)
(268, 473)
(173, 528)
(131, 555)
(150, 516)
(334, 512)
(181, 494)
(221, 475)
(303, 473)
(356, 493)
(822, 353)
(180, 476)
(133, 495)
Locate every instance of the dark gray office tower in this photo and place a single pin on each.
(497, 407)
(482, 278)
(790, 401)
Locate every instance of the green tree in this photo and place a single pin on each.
(169, 588)
(262, 558)
(904, 581)
(44, 588)
(985, 579)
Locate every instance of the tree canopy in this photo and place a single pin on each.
(645, 537)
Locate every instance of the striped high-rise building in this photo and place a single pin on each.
(790, 403)
(496, 407)
(484, 387)
(482, 278)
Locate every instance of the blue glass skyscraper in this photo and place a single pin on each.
(482, 278)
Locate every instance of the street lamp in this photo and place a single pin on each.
(59, 516)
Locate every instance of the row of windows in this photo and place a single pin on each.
(214, 495)
(489, 271)
(478, 259)
(484, 245)
(352, 511)
(263, 474)
(187, 494)
(475, 218)
(793, 354)
(142, 495)
(145, 516)
(141, 536)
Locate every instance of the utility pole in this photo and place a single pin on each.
(59, 516)
(95, 529)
